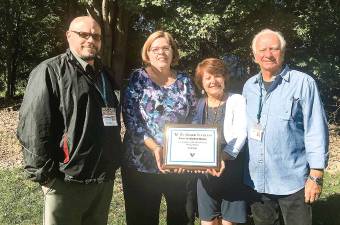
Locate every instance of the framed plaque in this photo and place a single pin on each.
(191, 146)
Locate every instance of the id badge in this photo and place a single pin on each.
(256, 132)
(109, 117)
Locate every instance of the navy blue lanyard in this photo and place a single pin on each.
(260, 101)
(103, 94)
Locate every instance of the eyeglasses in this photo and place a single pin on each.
(85, 35)
(156, 50)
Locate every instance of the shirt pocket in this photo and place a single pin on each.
(286, 110)
(292, 110)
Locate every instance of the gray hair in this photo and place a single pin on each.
(269, 31)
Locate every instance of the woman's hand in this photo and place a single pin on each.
(212, 172)
(217, 173)
(158, 153)
(180, 170)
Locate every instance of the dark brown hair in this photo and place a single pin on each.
(213, 66)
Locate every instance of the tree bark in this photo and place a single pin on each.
(120, 43)
(114, 21)
(11, 63)
(11, 75)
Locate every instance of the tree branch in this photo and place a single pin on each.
(93, 12)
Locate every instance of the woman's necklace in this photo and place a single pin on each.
(215, 110)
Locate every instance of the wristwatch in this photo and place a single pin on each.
(317, 180)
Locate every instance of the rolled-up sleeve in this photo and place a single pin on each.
(235, 125)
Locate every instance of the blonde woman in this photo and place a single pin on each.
(156, 94)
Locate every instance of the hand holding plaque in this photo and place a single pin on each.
(191, 146)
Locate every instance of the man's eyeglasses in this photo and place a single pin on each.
(155, 51)
(85, 35)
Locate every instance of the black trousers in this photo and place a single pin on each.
(143, 193)
(266, 209)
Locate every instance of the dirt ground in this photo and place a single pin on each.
(10, 150)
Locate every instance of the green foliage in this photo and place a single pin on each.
(215, 28)
(30, 32)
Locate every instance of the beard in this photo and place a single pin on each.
(89, 55)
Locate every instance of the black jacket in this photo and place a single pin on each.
(61, 127)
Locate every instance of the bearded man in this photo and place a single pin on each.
(70, 130)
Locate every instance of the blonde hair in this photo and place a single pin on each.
(152, 38)
(269, 31)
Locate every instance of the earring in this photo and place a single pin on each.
(202, 92)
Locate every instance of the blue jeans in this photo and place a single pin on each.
(266, 209)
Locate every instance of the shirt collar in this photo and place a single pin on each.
(82, 62)
(283, 73)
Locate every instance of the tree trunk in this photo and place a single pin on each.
(8, 73)
(11, 66)
(10, 81)
(114, 21)
(119, 44)
(107, 29)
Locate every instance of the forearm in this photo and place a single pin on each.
(151, 144)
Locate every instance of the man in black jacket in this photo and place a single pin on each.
(69, 128)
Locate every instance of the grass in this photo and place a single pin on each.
(22, 201)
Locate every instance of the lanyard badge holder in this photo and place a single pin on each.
(108, 113)
(109, 117)
(256, 132)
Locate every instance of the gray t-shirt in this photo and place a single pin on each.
(215, 116)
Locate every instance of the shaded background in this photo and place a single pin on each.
(31, 31)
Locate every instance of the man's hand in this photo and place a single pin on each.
(312, 188)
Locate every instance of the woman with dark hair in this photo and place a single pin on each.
(219, 195)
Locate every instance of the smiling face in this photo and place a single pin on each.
(268, 53)
(213, 84)
(83, 37)
(160, 53)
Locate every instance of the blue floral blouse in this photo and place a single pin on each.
(147, 107)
